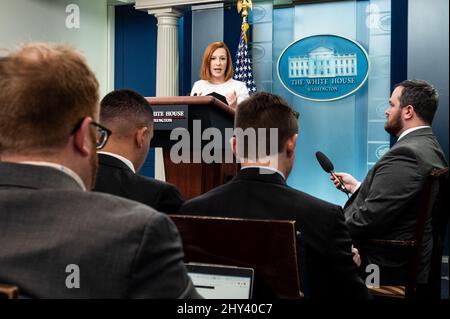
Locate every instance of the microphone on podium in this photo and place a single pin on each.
(328, 167)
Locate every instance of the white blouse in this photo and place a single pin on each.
(203, 87)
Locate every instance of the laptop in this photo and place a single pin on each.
(221, 282)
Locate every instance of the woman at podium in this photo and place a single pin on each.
(217, 73)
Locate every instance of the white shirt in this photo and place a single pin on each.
(269, 168)
(125, 160)
(412, 129)
(61, 168)
(203, 87)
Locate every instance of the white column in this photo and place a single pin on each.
(167, 64)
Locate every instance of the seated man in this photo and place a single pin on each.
(130, 118)
(260, 191)
(385, 205)
(58, 239)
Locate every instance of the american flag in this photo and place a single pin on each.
(243, 70)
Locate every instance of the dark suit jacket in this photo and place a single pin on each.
(115, 177)
(385, 205)
(331, 272)
(123, 249)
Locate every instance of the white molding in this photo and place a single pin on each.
(160, 4)
(207, 6)
(172, 11)
(120, 2)
(110, 49)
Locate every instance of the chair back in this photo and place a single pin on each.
(267, 246)
(439, 222)
(433, 204)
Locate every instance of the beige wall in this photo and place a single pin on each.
(45, 20)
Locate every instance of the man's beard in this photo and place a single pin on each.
(394, 127)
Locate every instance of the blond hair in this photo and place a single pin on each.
(45, 90)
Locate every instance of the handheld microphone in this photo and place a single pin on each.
(328, 167)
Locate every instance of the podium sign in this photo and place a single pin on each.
(169, 117)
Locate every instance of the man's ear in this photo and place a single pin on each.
(141, 136)
(151, 132)
(233, 145)
(82, 139)
(408, 112)
(290, 145)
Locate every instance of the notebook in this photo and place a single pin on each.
(218, 96)
(221, 282)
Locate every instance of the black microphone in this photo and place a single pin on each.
(328, 167)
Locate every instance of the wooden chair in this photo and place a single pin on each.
(267, 246)
(434, 204)
(8, 291)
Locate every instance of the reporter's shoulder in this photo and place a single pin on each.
(407, 146)
(153, 181)
(317, 204)
(156, 185)
(203, 200)
(113, 206)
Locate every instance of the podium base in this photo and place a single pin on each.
(194, 179)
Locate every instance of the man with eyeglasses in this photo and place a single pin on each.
(130, 117)
(58, 240)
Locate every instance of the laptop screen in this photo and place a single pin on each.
(221, 282)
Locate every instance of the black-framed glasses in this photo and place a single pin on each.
(101, 135)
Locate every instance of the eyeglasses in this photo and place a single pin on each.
(102, 133)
